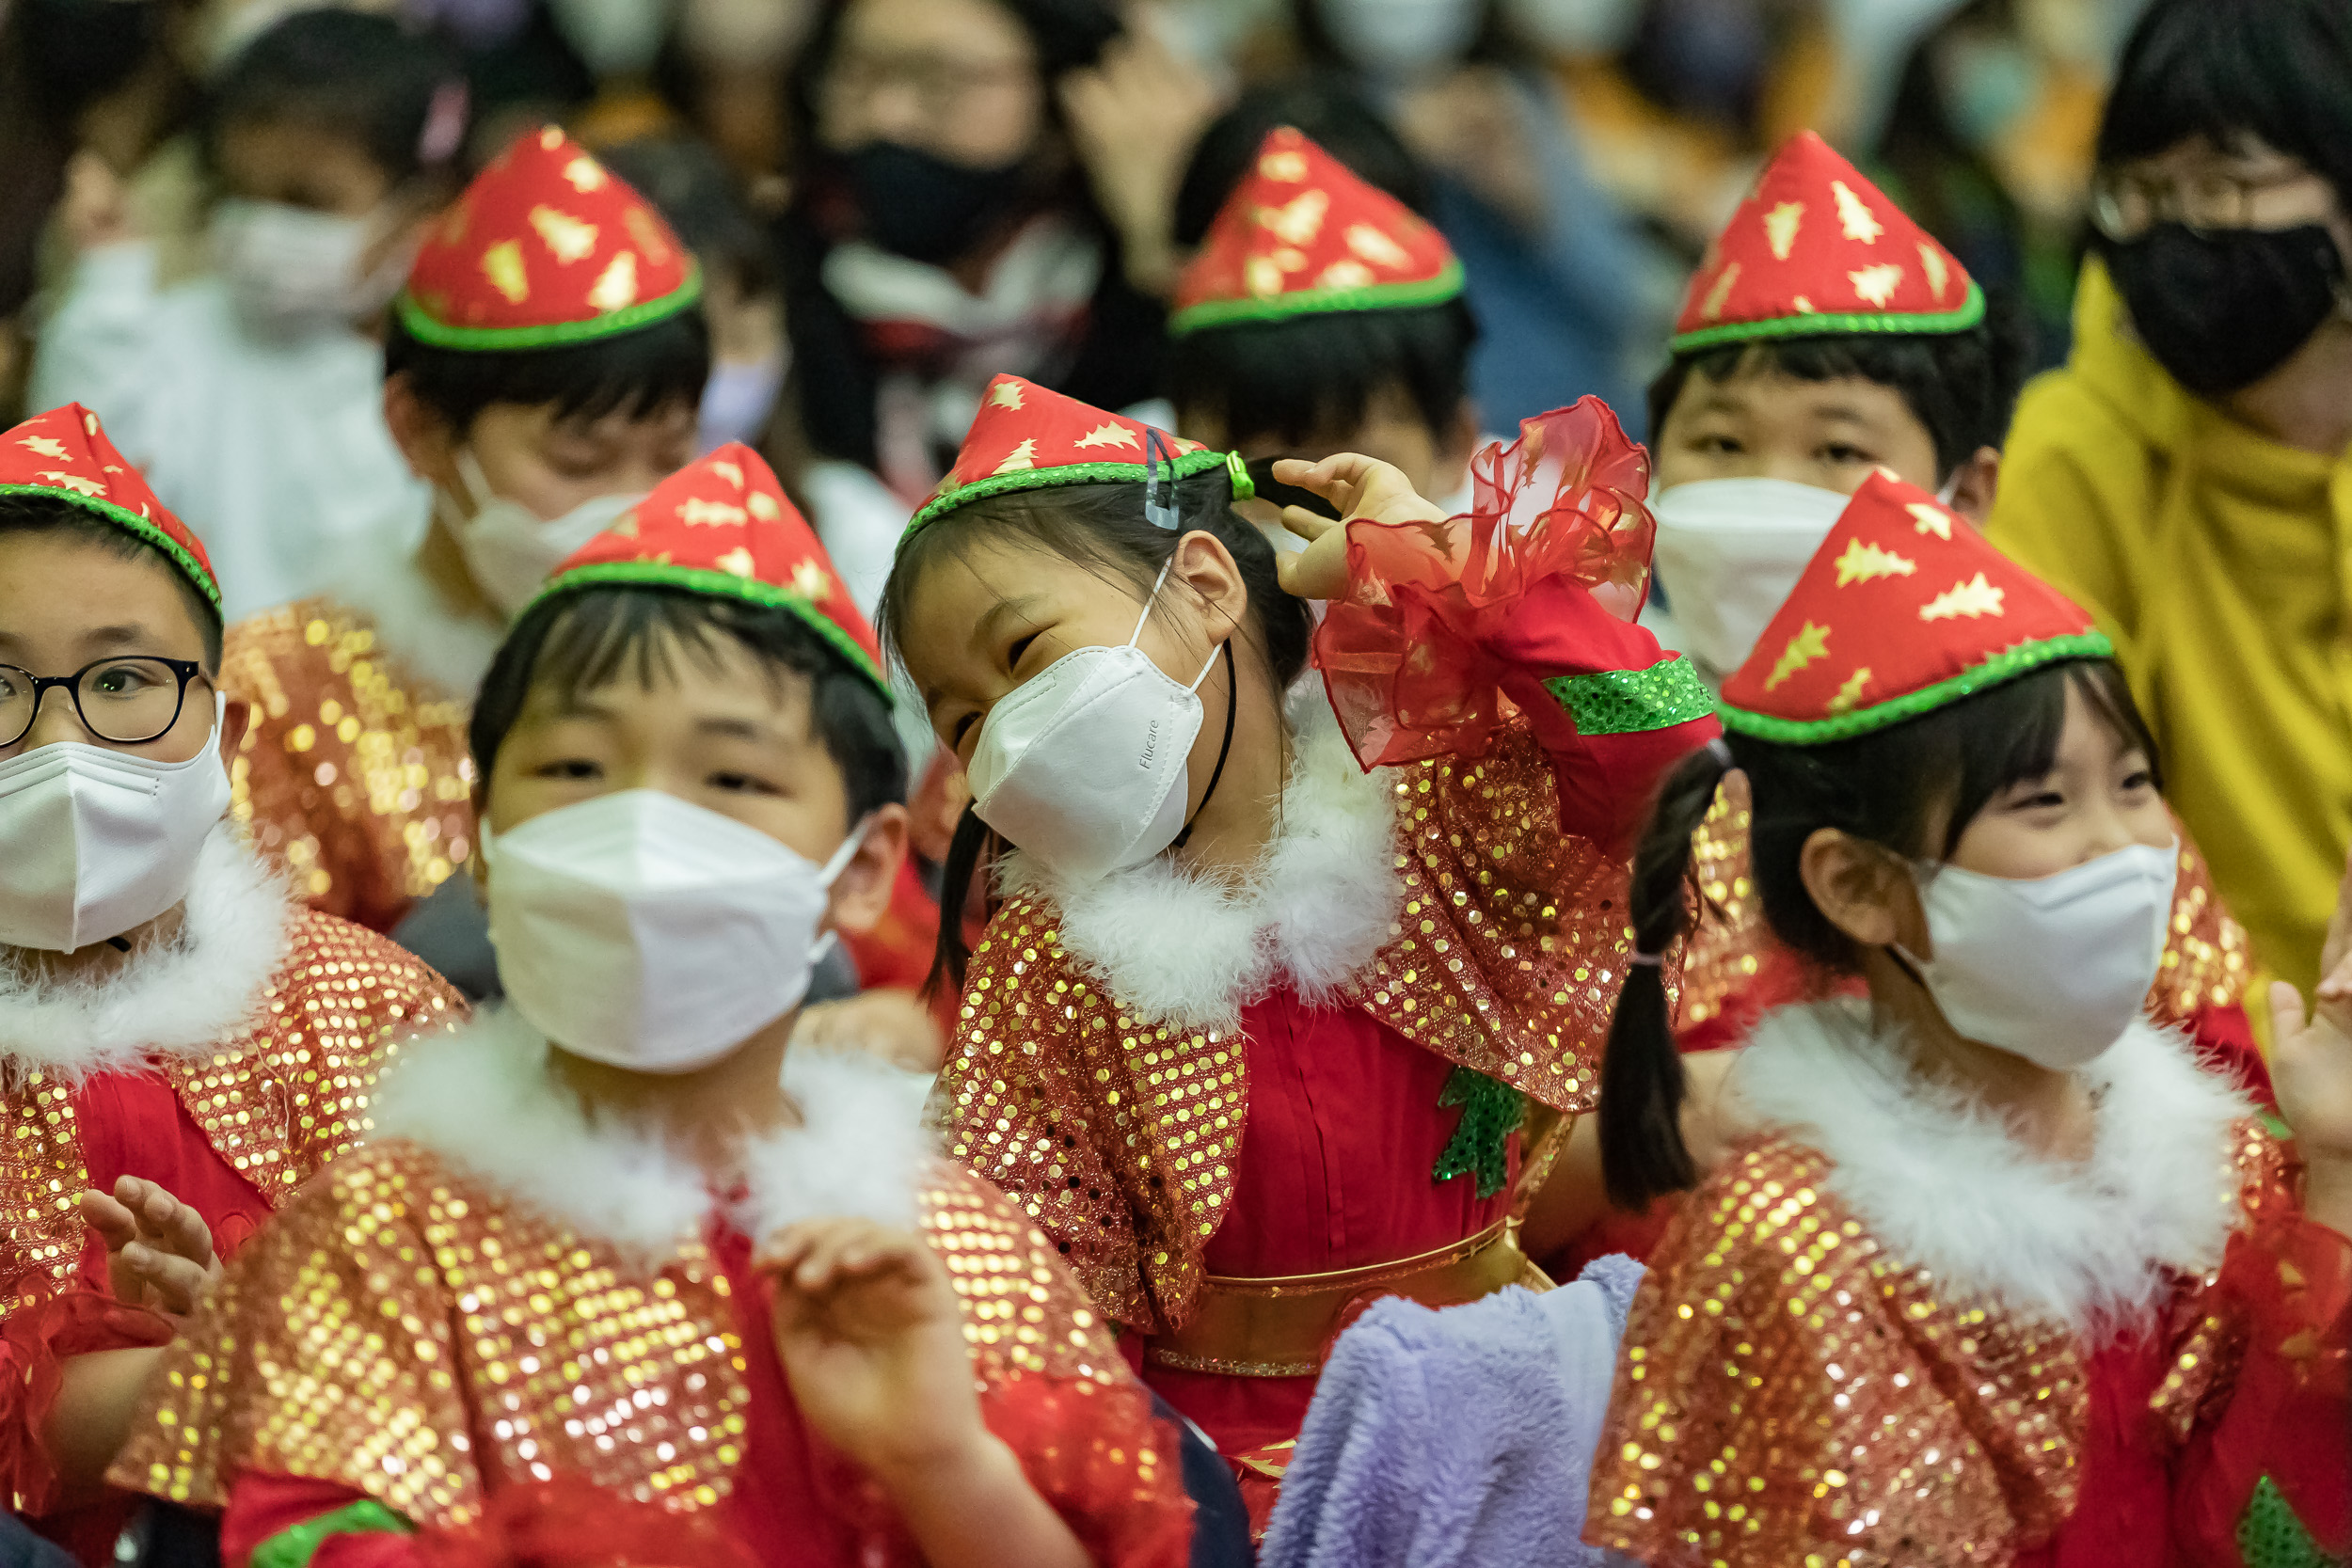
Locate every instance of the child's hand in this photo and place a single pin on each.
(886, 1022)
(871, 1339)
(2310, 1062)
(159, 1251)
(96, 209)
(1361, 488)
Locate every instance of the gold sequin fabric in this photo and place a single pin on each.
(276, 1102)
(355, 773)
(402, 1329)
(1791, 1393)
(2205, 963)
(1121, 1135)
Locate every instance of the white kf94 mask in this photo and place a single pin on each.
(1728, 555)
(510, 548)
(645, 932)
(95, 842)
(2053, 969)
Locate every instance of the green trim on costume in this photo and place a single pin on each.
(426, 328)
(2270, 1534)
(295, 1548)
(1629, 702)
(1998, 670)
(1480, 1145)
(718, 584)
(124, 517)
(1315, 302)
(1971, 312)
(1185, 467)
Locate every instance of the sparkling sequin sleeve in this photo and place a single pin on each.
(1791, 1394)
(1053, 1386)
(353, 774)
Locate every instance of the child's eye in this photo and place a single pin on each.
(1020, 646)
(573, 768)
(1718, 445)
(1844, 455)
(2139, 779)
(2042, 800)
(962, 728)
(740, 784)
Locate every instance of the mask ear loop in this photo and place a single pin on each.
(828, 875)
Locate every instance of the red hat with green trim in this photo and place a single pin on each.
(64, 454)
(1818, 250)
(1904, 609)
(1301, 236)
(1027, 438)
(722, 526)
(545, 248)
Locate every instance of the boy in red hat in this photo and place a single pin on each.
(183, 1042)
(618, 1278)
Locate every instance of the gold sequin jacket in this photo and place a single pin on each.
(1867, 1338)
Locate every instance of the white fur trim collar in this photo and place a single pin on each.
(415, 625)
(1943, 1183)
(1191, 951)
(178, 998)
(480, 1098)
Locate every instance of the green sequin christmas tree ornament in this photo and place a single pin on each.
(1480, 1145)
(2270, 1534)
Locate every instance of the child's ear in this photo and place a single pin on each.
(424, 438)
(1204, 565)
(861, 895)
(1860, 888)
(236, 717)
(1976, 482)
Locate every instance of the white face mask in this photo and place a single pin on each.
(292, 273)
(2053, 969)
(643, 931)
(95, 842)
(1402, 38)
(1083, 765)
(1728, 555)
(510, 548)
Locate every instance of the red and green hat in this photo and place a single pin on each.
(1027, 438)
(1816, 250)
(1904, 609)
(545, 248)
(1302, 235)
(64, 454)
(722, 526)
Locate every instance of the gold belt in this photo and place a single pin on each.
(1284, 1326)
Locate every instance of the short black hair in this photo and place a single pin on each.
(577, 642)
(1288, 379)
(689, 184)
(364, 77)
(2280, 69)
(23, 514)
(635, 373)
(1960, 385)
(1332, 112)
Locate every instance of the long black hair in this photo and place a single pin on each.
(1100, 525)
(1913, 787)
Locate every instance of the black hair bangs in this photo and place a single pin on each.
(21, 514)
(1330, 111)
(578, 643)
(1291, 379)
(2279, 69)
(398, 92)
(635, 375)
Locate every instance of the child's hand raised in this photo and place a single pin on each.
(159, 1251)
(1362, 488)
(871, 1337)
(2310, 1062)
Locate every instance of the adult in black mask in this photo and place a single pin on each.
(2187, 475)
(945, 225)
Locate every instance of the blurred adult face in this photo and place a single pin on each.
(957, 79)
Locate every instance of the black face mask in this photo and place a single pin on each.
(925, 208)
(2221, 311)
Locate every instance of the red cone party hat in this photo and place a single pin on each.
(1816, 249)
(545, 248)
(1026, 438)
(723, 526)
(65, 455)
(1300, 235)
(1904, 609)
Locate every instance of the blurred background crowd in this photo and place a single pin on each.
(895, 199)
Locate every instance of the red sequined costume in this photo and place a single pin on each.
(1888, 1334)
(228, 1064)
(1235, 1109)
(497, 1291)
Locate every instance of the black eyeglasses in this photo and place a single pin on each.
(128, 701)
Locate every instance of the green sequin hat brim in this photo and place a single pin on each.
(1999, 670)
(125, 517)
(427, 328)
(1183, 466)
(1315, 302)
(717, 584)
(1970, 313)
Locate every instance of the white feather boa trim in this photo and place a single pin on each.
(414, 624)
(1191, 951)
(1946, 1186)
(481, 1097)
(178, 998)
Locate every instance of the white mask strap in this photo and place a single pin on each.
(841, 857)
(477, 483)
(1951, 488)
(1153, 597)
